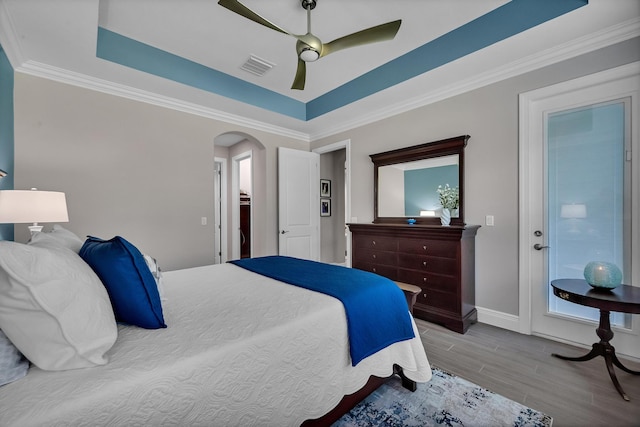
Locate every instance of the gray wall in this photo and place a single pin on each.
(332, 238)
(133, 169)
(490, 116)
(146, 172)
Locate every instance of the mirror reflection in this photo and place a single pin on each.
(410, 189)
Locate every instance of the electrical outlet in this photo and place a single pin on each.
(488, 220)
(203, 220)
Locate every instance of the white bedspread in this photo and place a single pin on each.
(240, 349)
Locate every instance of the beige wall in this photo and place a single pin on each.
(490, 116)
(133, 169)
(146, 172)
(332, 238)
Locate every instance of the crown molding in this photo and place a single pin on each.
(609, 36)
(62, 75)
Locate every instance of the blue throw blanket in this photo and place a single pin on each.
(376, 309)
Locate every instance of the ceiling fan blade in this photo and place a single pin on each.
(240, 9)
(301, 75)
(370, 35)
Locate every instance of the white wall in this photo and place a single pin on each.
(245, 176)
(490, 116)
(133, 169)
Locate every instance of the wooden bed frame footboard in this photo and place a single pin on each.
(349, 402)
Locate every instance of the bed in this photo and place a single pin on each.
(240, 349)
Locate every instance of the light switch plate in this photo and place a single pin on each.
(489, 220)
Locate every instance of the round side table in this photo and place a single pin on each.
(624, 299)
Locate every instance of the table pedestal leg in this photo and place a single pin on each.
(606, 350)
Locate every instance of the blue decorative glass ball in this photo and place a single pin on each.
(601, 274)
(411, 221)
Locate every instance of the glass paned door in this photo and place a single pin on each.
(587, 209)
(579, 199)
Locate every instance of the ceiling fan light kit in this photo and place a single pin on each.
(309, 55)
(310, 48)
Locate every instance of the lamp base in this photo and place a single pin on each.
(35, 228)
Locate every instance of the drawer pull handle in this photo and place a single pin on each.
(424, 280)
(374, 256)
(424, 247)
(424, 295)
(374, 269)
(424, 263)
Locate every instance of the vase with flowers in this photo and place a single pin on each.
(449, 199)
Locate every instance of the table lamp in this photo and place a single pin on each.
(32, 206)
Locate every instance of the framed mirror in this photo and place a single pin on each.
(406, 181)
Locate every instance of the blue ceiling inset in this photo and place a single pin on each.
(499, 24)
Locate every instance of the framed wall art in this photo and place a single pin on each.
(325, 207)
(325, 188)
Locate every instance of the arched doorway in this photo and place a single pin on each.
(240, 191)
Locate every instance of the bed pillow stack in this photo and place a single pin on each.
(128, 279)
(60, 298)
(53, 307)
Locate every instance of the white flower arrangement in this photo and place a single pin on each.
(448, 196)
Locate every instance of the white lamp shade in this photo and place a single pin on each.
(25, 206)
(576, 210)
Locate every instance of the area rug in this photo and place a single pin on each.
(446, 400)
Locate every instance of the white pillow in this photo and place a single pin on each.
(59, 236)
(53, 307)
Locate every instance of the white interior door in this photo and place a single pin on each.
(578, 204)
(298, 204)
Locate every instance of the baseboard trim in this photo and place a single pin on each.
(511, 322)
(498, 319)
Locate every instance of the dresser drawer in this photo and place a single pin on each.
(430, 264)
(440, 300)
(376, 257)
(429, 247)
(383, 270)
(375, 242)
(428, 280)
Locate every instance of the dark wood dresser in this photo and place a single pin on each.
(440, 260)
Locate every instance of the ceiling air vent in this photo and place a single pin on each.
(257, 66)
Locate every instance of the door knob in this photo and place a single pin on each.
(538, 246)
(284, 231)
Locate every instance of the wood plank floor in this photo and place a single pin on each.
(521, 368)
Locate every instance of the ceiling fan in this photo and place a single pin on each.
(308, 46)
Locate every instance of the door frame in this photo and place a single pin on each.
(529, 130)
(346, 145)
(221, 232)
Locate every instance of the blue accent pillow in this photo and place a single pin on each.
(131, 286)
